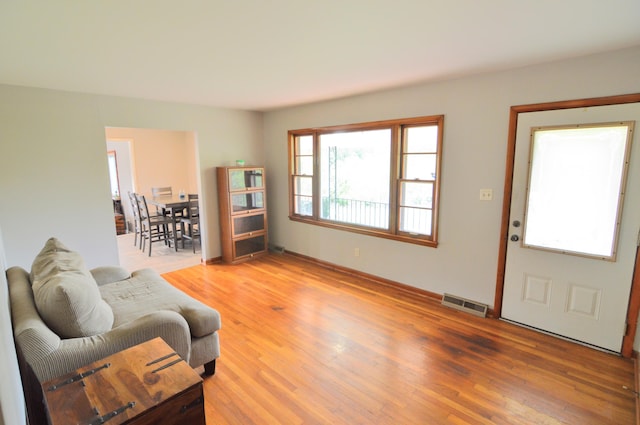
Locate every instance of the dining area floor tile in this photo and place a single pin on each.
(164, 258)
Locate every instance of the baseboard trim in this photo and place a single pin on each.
(210, 261)
(397, 286)
(636, 382)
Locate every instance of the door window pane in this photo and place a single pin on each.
(576, 178)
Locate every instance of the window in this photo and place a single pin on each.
(576, 185)
(377, 178)
(113, 174)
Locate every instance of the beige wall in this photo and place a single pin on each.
(476, 111)
(54, 178)
(160, 158)
(157, 158)
(53, 168)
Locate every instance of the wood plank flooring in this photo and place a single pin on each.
(302, 344)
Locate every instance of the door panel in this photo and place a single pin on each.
(574, 296)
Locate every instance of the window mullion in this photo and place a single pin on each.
(316, 176)
(434, 208)
(292, 172)
(394, 177)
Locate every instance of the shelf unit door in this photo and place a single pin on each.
(245, 178)
(245, 202)
(248, 224)
(250, 246)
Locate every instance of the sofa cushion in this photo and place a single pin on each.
(109, 274)
(66, 294)
(146, 291)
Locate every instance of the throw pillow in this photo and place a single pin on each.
(66, 294)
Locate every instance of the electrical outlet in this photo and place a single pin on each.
(356, 252)
(486, 194)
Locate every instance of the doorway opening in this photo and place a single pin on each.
(538, 284)
(148, 158)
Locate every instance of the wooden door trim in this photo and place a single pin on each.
(634, 298)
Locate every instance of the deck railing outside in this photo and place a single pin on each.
(353, 211)
(373, 214)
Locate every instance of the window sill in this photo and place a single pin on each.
(417, 240)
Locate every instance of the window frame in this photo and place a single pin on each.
(560, 246)
(396, 178)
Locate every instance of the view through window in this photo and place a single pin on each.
(376, 178)
(354, 177)
(576, 183)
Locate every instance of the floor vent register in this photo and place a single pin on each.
(459, 303)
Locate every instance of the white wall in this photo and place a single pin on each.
(53, 168)
(476, 113)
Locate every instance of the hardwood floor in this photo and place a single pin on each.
(302, 344)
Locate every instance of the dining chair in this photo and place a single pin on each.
(137, 226)
(190, 224)
(177, 214)
(155, 228)
(158, 191)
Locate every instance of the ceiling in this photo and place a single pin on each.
(268, 54)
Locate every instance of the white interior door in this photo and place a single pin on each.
(574, 288)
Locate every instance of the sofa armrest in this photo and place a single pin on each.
(109, 274)
(169, 325)
(74, 353)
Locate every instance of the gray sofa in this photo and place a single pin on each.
(65, 316)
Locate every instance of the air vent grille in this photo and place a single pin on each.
(459, 303)
(276, 249)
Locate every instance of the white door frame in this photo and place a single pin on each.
(634, 298)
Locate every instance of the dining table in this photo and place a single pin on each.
(173, 206)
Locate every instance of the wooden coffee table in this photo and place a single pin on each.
(145, 384)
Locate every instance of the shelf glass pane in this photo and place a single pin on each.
(242, 202)
(245, 178)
